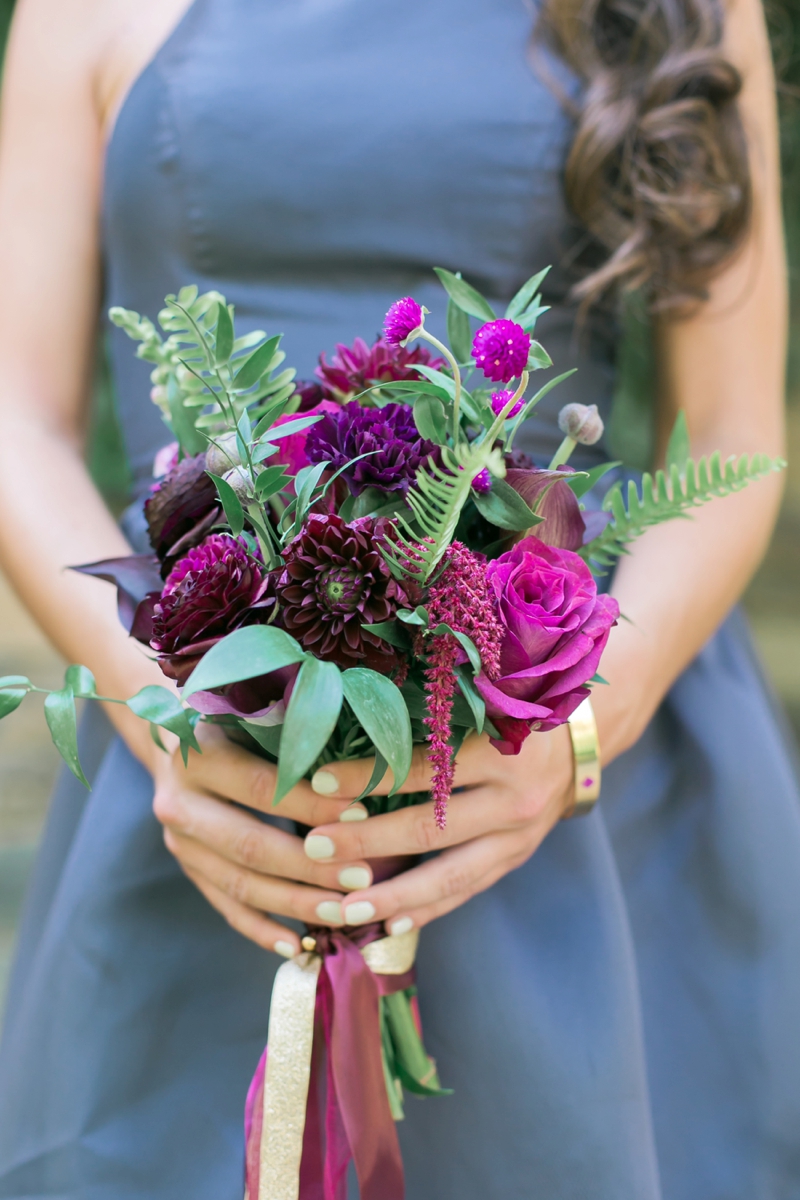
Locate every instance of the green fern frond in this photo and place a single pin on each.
(436, 502)
(671, 494)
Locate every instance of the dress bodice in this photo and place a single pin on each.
(313, 159)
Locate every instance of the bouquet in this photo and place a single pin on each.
(341, 569)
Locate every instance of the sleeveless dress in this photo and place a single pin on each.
(618, 1017)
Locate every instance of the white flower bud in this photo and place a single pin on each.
(240, 481)
(582, 423)
(224, 455)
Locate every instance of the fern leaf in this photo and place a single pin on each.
(670, 494)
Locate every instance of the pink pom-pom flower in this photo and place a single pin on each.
(401, 320)
(500, 349)
(501, 399)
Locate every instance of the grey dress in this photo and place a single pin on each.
(617, 1018)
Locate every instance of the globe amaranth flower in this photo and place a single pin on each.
(217, 587)
(500, 349)
(357, 367)
(335, 582)
(181, 512)
(555, 629)
(387, 435)
(401, 320)
(482, 483)
(500, 399)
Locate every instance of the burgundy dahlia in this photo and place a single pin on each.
(500, 349)
(214, 589)
(334, 583)
(388, 435)
(310, 394)
(181, 512)
(354, 368)
(401, 320)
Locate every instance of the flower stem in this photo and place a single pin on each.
(423, 333)
(506, 409)
(562, 453)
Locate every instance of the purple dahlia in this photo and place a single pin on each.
(354, 368)
(214, 589)
(388, 435)
(500, 349)
(334, 583)
(401, 320)
(181, 512)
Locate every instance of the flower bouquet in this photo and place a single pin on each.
(342, 569)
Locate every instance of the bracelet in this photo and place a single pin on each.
(586, 752)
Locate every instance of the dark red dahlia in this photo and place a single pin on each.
(335, 582)
(357, 367)
(217, 587)
(387, 435)
(181, 512)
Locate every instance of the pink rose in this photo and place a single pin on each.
(556, 628)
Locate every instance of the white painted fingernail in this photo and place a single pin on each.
(401, 925)
(324, 784)
(355, 878)
(286, 949)
(354, 812)
(330, 911)
(359, 913)
(319, 846)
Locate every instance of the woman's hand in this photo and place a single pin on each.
(508, 807)
(244, 867)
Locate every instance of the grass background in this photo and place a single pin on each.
(28, 762)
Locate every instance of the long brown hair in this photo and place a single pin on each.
(658, 169)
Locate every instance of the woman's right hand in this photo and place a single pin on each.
(245, 867)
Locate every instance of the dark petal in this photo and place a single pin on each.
(595, 523)
(135, 577)
(563, 522)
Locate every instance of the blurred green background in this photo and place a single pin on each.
(28, 762)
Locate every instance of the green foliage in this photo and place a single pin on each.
(59, 711)
(381, 711)
(244, 654)
(311, 717)
(670, 494)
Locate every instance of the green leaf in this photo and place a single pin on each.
(244, 654)
(59, 711)
(418, 617)
(223, 348)
(430, 420)
(15, 681)
(678, 449)
(505, 508)
(277, 432)
(267, 736)
(231, 503)
(582, 482)
(438, 378)
(464, 296)
(81, 680)
(382, 713)
(265, 450)
(525, 294)
(305, 482)
(271, 481)
(395, 635)
(310, 720)
(162, 707)
(459, 333)
(378, 772)
(538, 358)
(10, 699)
(182, 419)
(466, 643)
(473, 697)
(256, 364)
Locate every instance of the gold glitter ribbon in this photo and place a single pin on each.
(288, 1072)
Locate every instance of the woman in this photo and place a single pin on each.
(617, 1016)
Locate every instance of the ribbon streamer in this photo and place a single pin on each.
(336, 991)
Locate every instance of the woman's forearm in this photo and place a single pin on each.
(54, 518)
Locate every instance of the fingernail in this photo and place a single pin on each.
(354, 812)
(286, 949)
(319, 846)
(359, 913)
(355, 878)
(330, 911)
(324, 784)
(401, 925)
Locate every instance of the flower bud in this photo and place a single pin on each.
(582, 423)
(223, 455)
(239, 479)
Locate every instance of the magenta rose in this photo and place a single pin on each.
(556, 628)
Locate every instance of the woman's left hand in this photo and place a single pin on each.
(508, 807)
